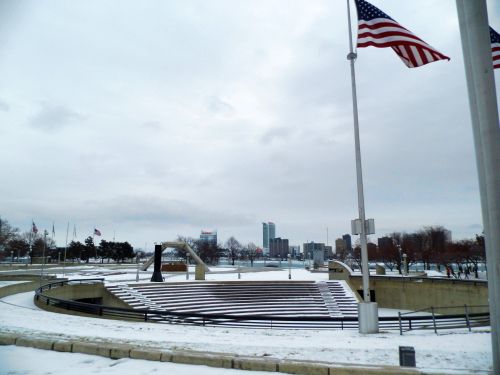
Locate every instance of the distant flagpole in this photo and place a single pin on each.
(366, 324)
(93, 236)
(65, 248)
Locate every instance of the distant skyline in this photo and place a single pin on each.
(153, 119)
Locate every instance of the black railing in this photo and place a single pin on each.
(402, 322)
(435, 318)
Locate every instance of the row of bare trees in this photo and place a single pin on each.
(16, 244)
(430, 245)
(210, 252)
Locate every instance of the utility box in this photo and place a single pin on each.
(407, 356)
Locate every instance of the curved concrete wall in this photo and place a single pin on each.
(81, 291)
(410, 293)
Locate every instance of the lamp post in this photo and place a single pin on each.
(405, 262)
(137, 272)
(289, 267)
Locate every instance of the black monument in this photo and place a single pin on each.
(157, 276)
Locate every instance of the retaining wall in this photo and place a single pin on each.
(407, 293)
(222, 360)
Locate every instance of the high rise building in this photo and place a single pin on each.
(348, 243)
(265, 237)
(278, 248)
(294, 251)
(310, 247)
(268, 233)
(272, 230)
(209, 236)
(340, 248)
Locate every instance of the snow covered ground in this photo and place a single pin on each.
(456, 351)
(13, 362)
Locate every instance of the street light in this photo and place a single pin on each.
(289, 267)
(137, 273)
(405, 262)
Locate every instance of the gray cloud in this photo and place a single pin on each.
(218, 105)
(223, 116)
(54, 117)
(4, 106)
(152, 125)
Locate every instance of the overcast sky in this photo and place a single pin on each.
(153, 119)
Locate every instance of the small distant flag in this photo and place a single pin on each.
(377, 29)
(34, 229)
(495, 48)
(97, 232)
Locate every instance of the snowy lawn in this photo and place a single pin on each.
(28, 361)
(456, 351)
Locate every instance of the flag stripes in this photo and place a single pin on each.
(495, 48)
(377, 29)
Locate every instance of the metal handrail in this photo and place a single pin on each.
(257, 321)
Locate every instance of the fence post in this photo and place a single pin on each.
(434, 320)
(400, 327)
(467, 317)
(145, 316)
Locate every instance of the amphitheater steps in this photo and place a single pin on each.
(274, 299)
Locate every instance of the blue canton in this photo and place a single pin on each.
(367, 12)
(494, 36)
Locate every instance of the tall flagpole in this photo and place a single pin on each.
(65, 248)
(473, 22)
(367, 311)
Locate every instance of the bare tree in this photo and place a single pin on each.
(252, 252)
(234, 247)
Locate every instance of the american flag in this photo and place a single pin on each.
(97, 232)
(495, 48)
(34, 229)
(377, 29)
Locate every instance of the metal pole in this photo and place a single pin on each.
(43, 254)
(65, 249)
(359, 174)
(368, 315)
(137, 272)
(474, 32)
(289, 267)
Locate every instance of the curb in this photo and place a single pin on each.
(220, 360)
